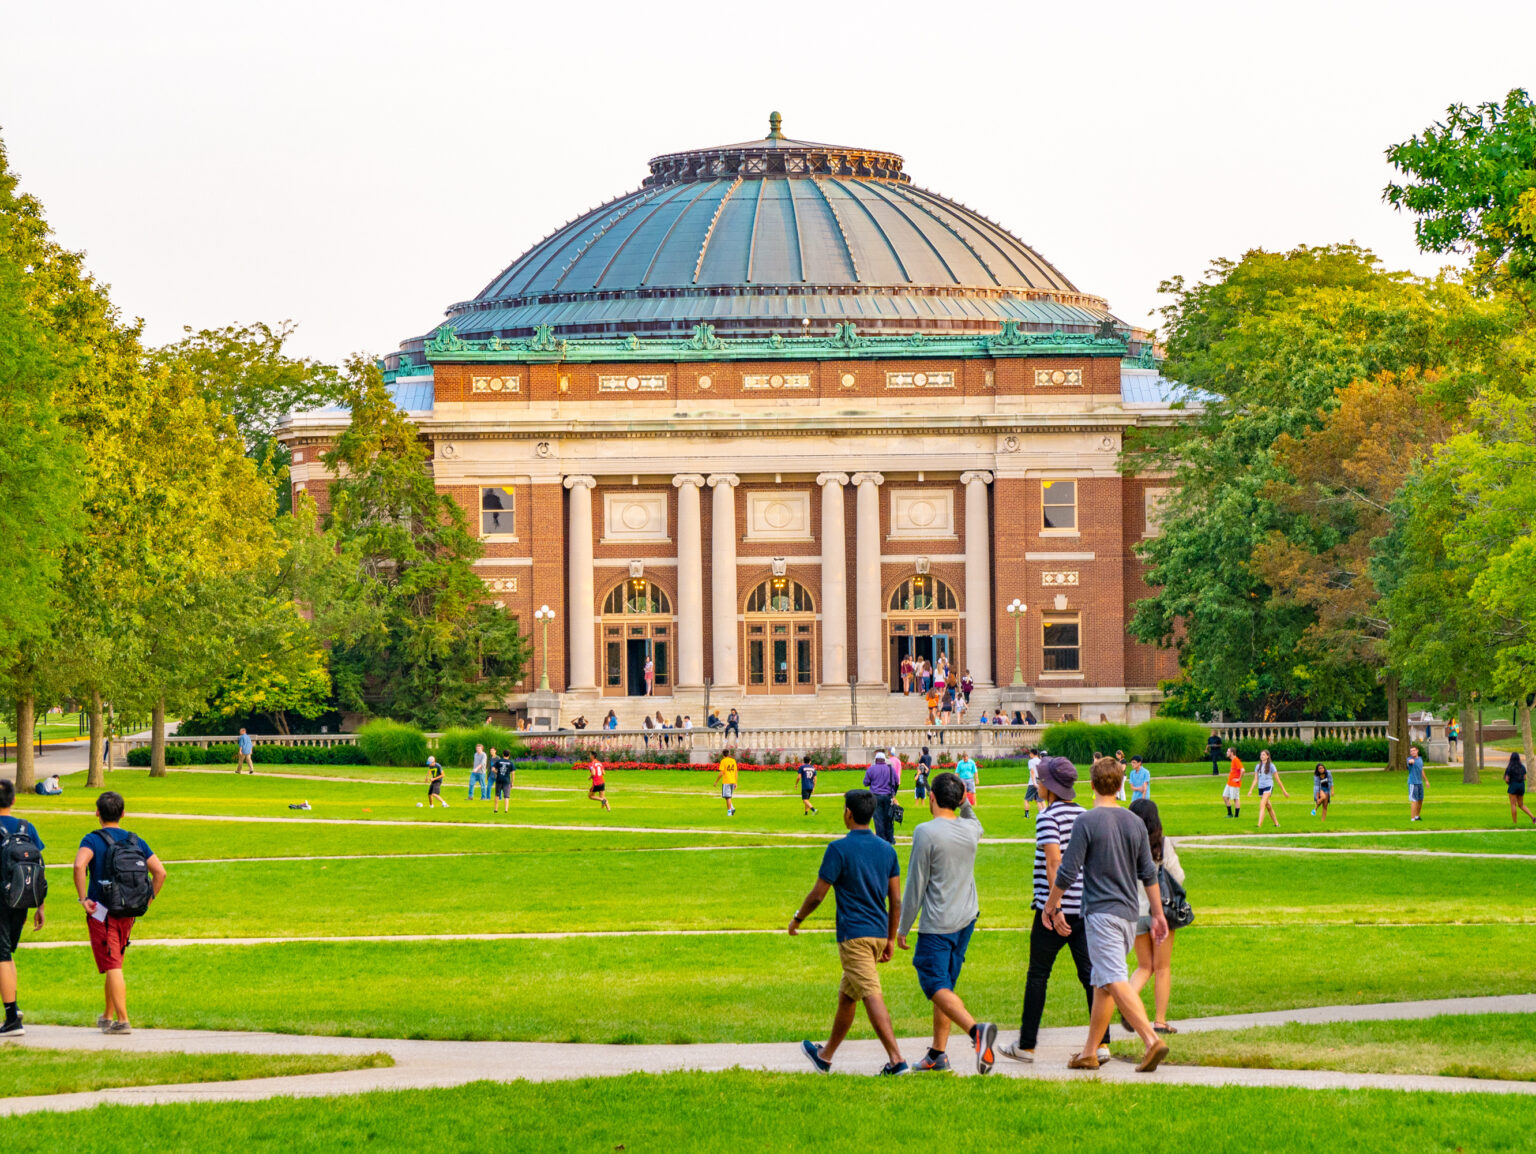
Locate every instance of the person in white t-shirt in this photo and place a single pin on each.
(1032, 790)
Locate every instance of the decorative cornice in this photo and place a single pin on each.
(845, 343)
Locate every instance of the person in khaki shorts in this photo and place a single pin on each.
(864, 871)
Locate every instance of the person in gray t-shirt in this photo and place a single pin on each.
(1110, 849)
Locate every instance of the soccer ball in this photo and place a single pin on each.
(418, 805)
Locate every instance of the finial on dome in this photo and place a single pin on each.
(774, 123)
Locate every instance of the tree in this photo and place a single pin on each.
(436, 653)
(1270, 339)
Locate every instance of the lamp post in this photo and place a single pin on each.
(1016, 610)
(544, 615)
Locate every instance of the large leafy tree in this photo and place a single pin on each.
(1272, 339)
(437, 652)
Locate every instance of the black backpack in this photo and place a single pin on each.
(1176, 907)
(23, 885)
(125, 886)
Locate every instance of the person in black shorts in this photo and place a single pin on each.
(1514, 783)
(12, 922)
(807, 773)
(503, 772)
(434, 783)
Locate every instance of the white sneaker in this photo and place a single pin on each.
(1013, 1050)
(445, 805)
(1103, 1054)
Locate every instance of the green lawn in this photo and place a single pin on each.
(735, 1110)
(1500, 1046)
(29, 1070)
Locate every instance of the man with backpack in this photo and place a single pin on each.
(117, 875)
(23, 887)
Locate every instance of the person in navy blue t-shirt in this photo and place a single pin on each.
(807, 773)
(867, 877)
(12, 922)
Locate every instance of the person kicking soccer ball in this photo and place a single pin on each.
(597, 789)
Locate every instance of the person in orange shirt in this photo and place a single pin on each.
(1233, 793)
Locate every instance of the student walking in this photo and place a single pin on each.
(1416, 784)
(478, 775)
(807, 772)
(597, 787)
(725, 777)
(23, 890)
(866, 876)
(920, 779)
(1514, 783)
(1140, 781)
(966, 770)
(1266, 775)
(1154, 960)
(883, 784)
(1322, 791)
(941, 886)
(434, 783)
(1110, 851)
(1213, 751)
(1232, 792)
(117, 876)
(1053, 831)
(505, 773)
(244, 747)
(1452, 736)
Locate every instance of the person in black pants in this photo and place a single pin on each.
(882, 780)
(1213, 745)
(1053, 830)
(732, 724)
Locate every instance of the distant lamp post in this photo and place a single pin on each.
(544, 615)
(1016, 610)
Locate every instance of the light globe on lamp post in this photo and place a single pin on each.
(544, 615)
(1016, 610)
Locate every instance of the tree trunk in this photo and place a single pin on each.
(280, 722)
(95, 773)
(1479, 751)
(26, 723)
(157, 739)
(1397, 726)
(1468, 736)
(1525, 730)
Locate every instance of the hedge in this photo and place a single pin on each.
(224, 754)
(1325, 750)
(1166, 739)
(456, 747)
(386, 742)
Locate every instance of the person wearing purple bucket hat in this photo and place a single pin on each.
(1059, 811)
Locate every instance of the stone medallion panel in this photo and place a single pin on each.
(922, 513)
(779, 516)
(634, 516)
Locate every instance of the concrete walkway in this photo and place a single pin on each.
(424, 1064)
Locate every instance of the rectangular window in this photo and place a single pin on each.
(1058, 504)
(1061, 636)
(496, 512)
(1154, 512)
(615, 667)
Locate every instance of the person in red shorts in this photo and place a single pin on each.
(109, 935)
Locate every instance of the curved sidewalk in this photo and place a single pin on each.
(429, 1064)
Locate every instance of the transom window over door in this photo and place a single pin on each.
(780, 634)
(921, 592)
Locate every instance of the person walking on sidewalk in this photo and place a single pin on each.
(113, 866)
(1514, 784)
(866, 875)
(1154, 960)
(1266, 775)
(1053, 832)
(883, 783)
(15, 834)
(941, 885)
(1416, 784)
(244, 748)
(1110, 851)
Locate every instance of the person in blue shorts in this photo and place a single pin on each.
(1322, 790)
(1416, 784)
(807, 773)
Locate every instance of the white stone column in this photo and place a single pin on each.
(581, 609)
(722, 577)
(978, 578)
(690, 582)
(867, 583)
(834, 580)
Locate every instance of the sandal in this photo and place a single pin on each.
(1165, 1028)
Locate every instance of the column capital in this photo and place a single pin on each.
(716, 479)
(695, 479)
(870, 478)
(979, 475)
(832, 479)
(576, 479)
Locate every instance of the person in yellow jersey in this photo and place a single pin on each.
(727, 779)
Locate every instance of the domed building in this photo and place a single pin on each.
(780, 419)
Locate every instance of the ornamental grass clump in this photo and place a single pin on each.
(386, 742)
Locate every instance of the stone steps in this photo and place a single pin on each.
(826, 708)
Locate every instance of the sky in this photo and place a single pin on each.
(356, 168)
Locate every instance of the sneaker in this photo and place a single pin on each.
(118, 1028)
(1016, 1052)
(891, 1069)
(1103, 1054)
(929, 1062)
(102, 1021)
(13, 1029)
(813, 814)
(986, 1035)
(812, 1053)
(1314, 813)
(445, 805)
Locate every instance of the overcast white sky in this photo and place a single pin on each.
(356, 168)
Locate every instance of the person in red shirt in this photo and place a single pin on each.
(1233, 793)
(598, 789)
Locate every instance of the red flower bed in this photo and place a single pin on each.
(711, 767)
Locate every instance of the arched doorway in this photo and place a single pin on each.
(780, 634)
(636, 627)
(922, 621)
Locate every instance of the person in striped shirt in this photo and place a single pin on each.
(1057, 778)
